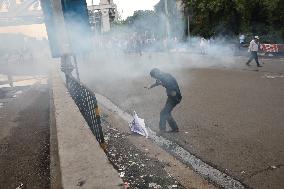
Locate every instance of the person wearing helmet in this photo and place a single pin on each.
(253, 49)
(174, 98)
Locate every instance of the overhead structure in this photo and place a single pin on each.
(68, 28)
(102, 15)
(20, 12)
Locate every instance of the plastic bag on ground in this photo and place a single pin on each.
(137, 125)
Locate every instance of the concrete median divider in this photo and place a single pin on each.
(77, 160)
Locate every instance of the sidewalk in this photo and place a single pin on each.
(82, 162)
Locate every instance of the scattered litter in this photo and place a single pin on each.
(114, 129)
(138, 125)
(154, 185)
(273, 76)
(273, 166)
(21, 186)
(121, 174)
(243, 172)
(186, 132)
(81, 183)
(1, 104)
(18, 92)
(134, 166)
(106, 137)
(126, 185)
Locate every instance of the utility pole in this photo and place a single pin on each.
(167, 19)
(188, 26)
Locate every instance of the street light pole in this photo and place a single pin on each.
(188, 25)
(167, 19)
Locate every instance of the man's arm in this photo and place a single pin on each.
(154, 85)
(250, 46)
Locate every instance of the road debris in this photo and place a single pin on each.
(136, 169)
(154, 185)
(137, 125)
(273, 166)
(121, 174)
(273, 76)
(126, 185)
(21, 186)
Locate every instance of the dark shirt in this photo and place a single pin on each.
(171, 85)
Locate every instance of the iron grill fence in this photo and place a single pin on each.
(86, 101)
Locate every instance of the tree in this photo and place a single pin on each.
(231, 17)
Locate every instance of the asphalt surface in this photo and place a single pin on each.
(24, 138)
(24, 125)
(231, 115)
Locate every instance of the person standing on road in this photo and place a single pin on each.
(174, 98)
(242, 39)
(203, 44)
(253, 49)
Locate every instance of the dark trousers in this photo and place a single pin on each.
(253, 55)
(166, 116)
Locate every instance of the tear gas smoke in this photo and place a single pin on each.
(132, 50)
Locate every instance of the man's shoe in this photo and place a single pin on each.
(247, 64)
(173, 131)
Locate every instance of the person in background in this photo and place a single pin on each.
(202, 45)
(253, 49)
(10, 79)
(242, 40)
(174, 98)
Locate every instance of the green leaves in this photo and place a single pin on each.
(261, 17)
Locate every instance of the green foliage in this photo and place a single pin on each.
(231, 17)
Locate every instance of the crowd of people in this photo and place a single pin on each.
(137, 43)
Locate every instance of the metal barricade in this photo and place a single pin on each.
(86, 101)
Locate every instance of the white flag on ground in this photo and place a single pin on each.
(138, 125)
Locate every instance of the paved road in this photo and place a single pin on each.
(24, 138)
(24, 126)
(231, 115)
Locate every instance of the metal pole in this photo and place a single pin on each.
(167, 19)
(76, 67)
(188, 26)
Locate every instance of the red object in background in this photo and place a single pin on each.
(272, 48)
(269, 47)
